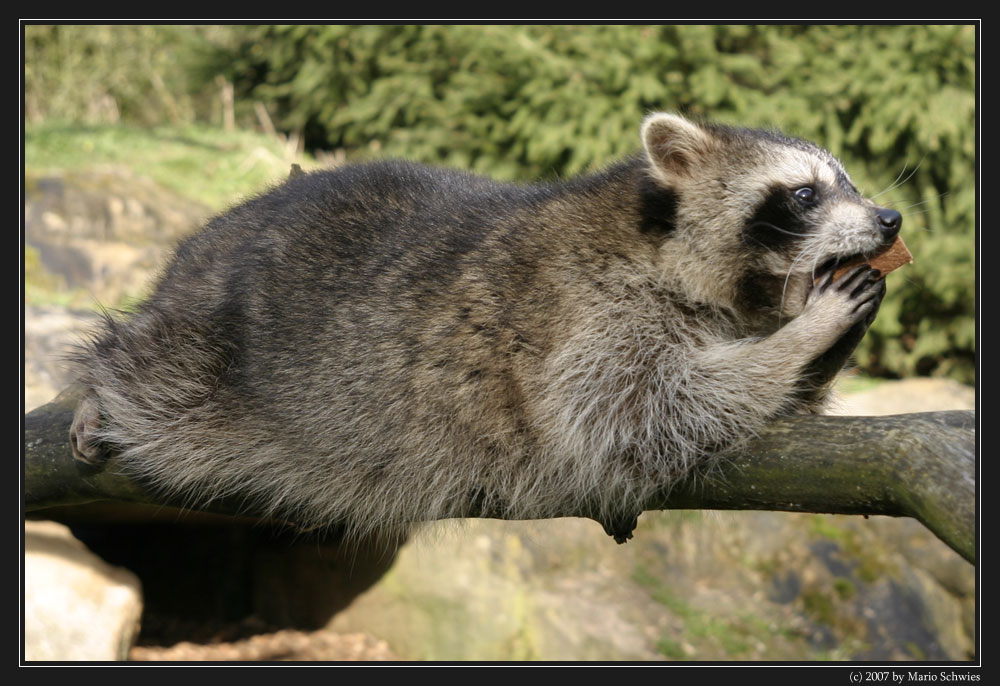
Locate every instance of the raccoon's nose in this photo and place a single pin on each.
(889, 221)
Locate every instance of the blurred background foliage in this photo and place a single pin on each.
(895, 103)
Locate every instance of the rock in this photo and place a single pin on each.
(106, 204)
(104, 231)
(690, 586)
(490, 590)
(76, 607)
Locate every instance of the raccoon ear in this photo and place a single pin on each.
(674, 145)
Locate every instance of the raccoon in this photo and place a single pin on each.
(387, 343)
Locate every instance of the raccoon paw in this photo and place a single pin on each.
(621, 527)
(857, 332)
(83, 433)
(836, 306)
(876, 304)
(828, 364)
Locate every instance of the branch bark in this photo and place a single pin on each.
(913, 465)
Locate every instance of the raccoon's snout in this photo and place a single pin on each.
(886, 224)
(889, 222)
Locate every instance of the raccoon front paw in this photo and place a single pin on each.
(83, 433)
(835, 306)
(818, 374)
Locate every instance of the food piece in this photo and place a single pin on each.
(891, 259)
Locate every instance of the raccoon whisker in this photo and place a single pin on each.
(897, 183)
(913, 214)
(812, 272)
(777, 228)
(759, 242)
(894, 181)
(923, 202)
(784, 288)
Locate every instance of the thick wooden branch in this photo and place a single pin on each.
(914, 465)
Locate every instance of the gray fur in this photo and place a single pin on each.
(388, 343)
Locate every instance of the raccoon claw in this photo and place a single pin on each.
(621, 528)
(857, 280)
(82, 434)
(876, 302)
(859, 287)
(822, 281)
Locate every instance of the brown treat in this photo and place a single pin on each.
(890, 259)
(894, 257)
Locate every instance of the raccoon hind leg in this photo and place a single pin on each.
(83, 432)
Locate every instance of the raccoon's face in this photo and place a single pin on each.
(760, 212)
(808, 213)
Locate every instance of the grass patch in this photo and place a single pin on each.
(844, 588)
(822, 526)
(731, 637)
(660, 593)
(670, 648)
(203, 163)
(915, 650)
(819, 606)
(871, 569)
(708, 634)
(870, 565)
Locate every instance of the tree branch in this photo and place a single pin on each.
(913, 465)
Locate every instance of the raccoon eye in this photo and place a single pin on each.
(806, 195)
